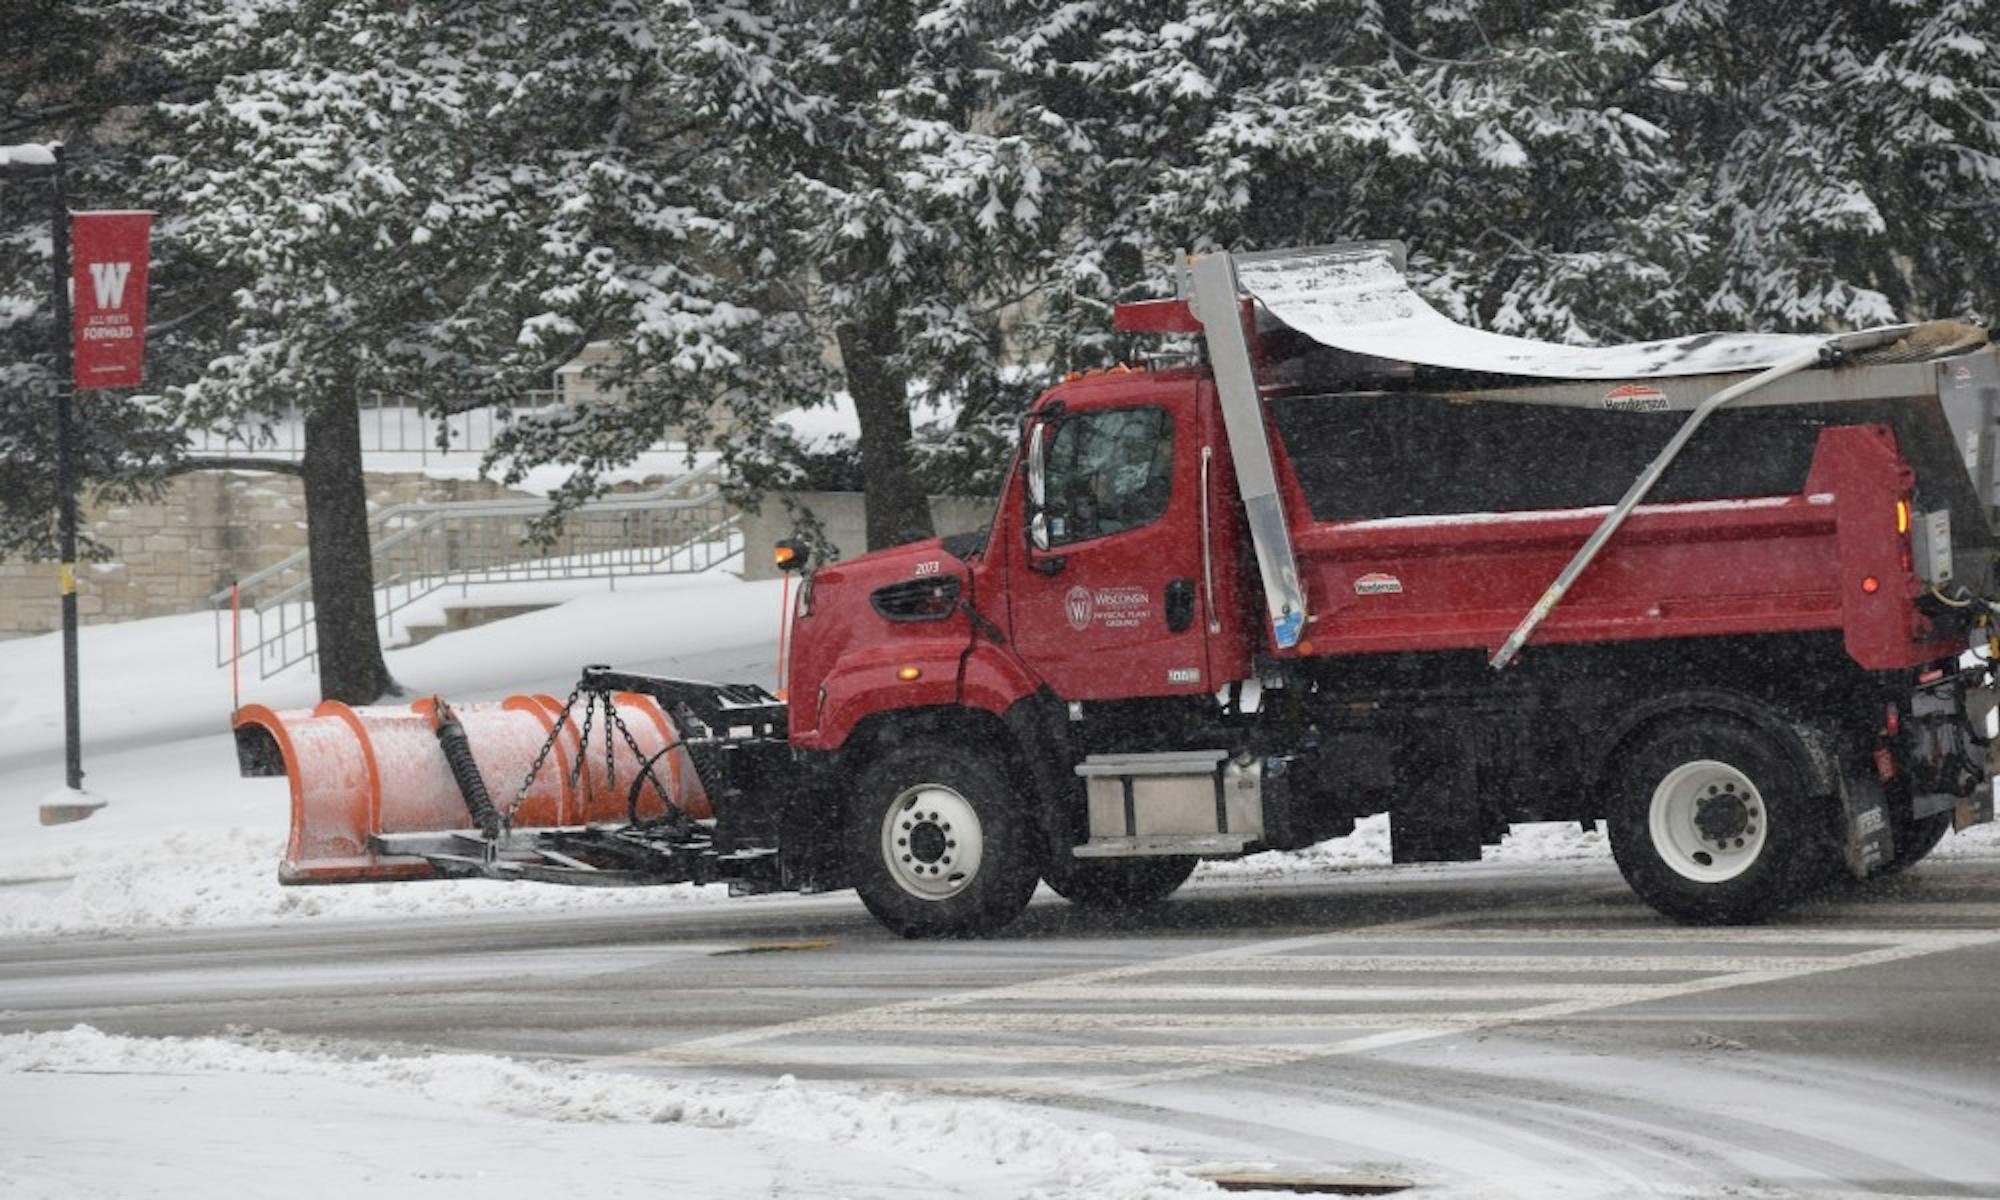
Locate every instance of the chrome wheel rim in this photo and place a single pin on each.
(1708, 821)
(931, 841)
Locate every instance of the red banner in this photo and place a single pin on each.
(108, 297)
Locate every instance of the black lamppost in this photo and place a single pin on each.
(32, 162)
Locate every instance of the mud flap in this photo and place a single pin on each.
(1976, 809)
(1870, 843)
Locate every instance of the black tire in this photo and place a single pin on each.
(966, 788)
(1915, 839)
(1733, 793)
(1118, 883)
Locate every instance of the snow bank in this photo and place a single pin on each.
(156, 680)
(1368, 846)
(185, 842)
(207, 878)
(78, 1121)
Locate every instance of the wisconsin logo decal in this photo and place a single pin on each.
(1077, 606)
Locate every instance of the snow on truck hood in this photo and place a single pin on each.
(1356, 298)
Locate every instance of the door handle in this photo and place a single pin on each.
(1047, 564)
(1180, 605)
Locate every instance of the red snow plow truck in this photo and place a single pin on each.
(1733, 595)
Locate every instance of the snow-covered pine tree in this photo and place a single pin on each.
(890, 192)
(1584, 171)
(1844, 159)
(69, 76)
(442, 204)
(1489, 136)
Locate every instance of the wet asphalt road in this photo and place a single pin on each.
(1531, 1029)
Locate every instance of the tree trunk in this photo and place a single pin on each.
(898, 510)
(343, 576)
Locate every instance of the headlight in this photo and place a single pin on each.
(932, 598)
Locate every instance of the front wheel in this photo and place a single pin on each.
(938, 845)
(1714, 822)
(1118, 883)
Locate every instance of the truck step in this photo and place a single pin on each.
(1203, 844)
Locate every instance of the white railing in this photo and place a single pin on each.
(416, 550)
(389, 425)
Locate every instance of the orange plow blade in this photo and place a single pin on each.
(360, 774)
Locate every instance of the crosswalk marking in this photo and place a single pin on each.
(1125, 992)
(1502, 964)
(1292, 1000)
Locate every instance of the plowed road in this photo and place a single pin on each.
(1447, 1024)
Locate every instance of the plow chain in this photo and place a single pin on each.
(671, 848)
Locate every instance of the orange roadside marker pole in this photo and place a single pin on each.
(784, 628)
(235, 646)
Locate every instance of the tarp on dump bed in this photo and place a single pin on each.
(1355, 298)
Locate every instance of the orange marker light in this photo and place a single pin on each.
(1871, 585)
(784, 555)
(910, 674)
(1902, 516)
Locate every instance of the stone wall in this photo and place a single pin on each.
(845, 519)
(207, 528)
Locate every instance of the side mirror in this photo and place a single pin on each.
(1038, 484)
(1038, 530)
(790, 555)
(1038, 487)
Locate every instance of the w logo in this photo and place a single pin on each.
(1077, 607)
(107, 279)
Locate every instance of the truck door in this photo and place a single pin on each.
(1107, 601)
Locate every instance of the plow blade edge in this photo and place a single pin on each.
(360, 773)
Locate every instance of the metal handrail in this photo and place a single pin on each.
(441, 544)
(412, 429)
(523, 507)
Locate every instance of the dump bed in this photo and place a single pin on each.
(1411, 483)
(1425, 518)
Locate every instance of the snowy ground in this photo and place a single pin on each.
(253, 1115)
(185, 842)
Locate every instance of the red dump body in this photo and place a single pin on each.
(1829, 558)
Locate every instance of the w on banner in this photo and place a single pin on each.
(108, 291)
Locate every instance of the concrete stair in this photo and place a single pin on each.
(466, 617)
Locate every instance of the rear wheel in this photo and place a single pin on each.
(1116, 883)
(938, 846)
(1714, 822)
